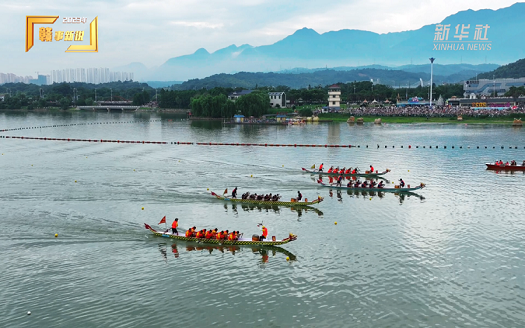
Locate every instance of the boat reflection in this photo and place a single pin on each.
(179, 248)
(371, 194)
(272, 208)
(506, 172)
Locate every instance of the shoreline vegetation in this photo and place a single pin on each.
(323, 118)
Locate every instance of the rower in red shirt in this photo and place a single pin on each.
(264, 233)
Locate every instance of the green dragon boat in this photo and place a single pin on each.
(240, 241)
(268, 202)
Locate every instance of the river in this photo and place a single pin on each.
(450, 255)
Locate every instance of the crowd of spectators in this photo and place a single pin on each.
(435, 111)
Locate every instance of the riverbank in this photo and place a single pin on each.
(412, 119)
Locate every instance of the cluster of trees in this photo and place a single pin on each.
(212, 106)
(141, 98)
(20, 100)
(255, 104)
(359, 91)
(63, 95)
(515, 92)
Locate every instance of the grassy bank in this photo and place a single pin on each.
(408, 120)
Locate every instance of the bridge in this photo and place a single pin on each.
(109, 108)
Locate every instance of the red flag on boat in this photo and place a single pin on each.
(225, 191)
(163, 220)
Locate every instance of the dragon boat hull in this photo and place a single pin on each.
(372, 175)
(264, 202)
(240, 241)
(421, 186)
(505, 167)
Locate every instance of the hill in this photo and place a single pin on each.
(512, 70)
(249, 80)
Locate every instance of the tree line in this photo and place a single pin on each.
(254, 104)
(64, 95)
(208, 102)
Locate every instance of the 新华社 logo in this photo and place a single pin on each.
(70, 34)
(462, 39)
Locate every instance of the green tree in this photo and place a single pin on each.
(41, 103)
(64, 102)
(253, 104)
(306, 112)
(138, 99)
(515, 92)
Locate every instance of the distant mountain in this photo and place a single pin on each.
(307, 48)
(301, 80)
(314, 77)
(441, 69)
(512, 70)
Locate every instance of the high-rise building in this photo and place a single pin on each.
(83, 75)
(70, 75)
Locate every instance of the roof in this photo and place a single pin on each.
(334, 86)
(275, 93)
(280, 115)
(238, 115)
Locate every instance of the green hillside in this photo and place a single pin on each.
(512, 70)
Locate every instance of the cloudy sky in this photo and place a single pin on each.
(153, 31)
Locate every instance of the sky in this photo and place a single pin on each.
(152, 31)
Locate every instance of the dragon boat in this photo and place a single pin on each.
(240, 241)
(269, 202)
(365, 174)
(408, 189)
(505, 167)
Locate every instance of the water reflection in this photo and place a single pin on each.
(371, 194)
(206, 125)
(140, 116)
(506, 172)
(172, 117)
(272, 208)
(179, 248)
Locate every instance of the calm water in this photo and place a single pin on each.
(452, 255)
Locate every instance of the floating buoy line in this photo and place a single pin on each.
(222, 143)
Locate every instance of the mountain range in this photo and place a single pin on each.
(323, 77)
(355, 48)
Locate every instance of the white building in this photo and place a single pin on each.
(334, 97)
(486, 87)
(277, 99)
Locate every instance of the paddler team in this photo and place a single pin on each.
(212, 234)
(512, 163)
(344, 170)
